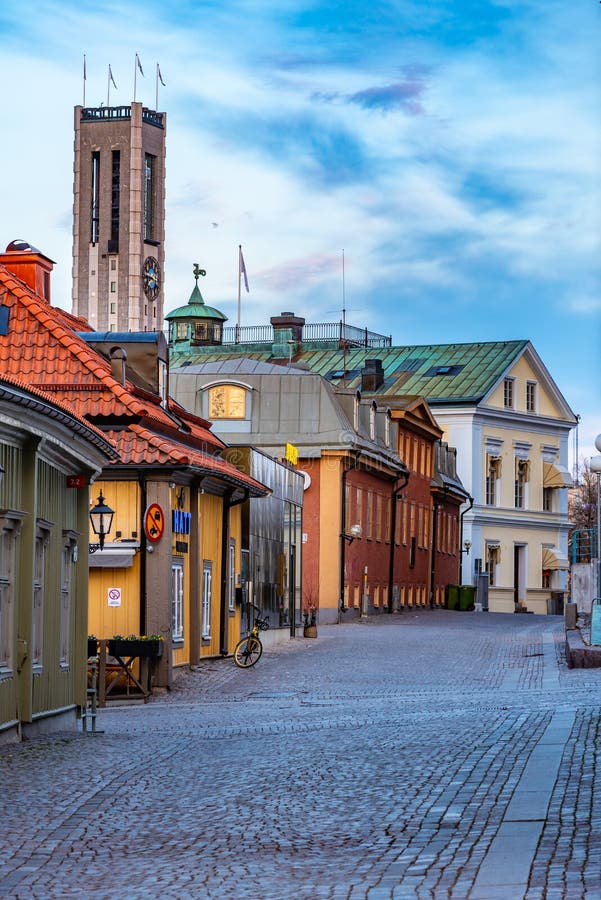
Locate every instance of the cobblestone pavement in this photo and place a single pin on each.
(431, 754)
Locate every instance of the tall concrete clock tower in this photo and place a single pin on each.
(119, 217)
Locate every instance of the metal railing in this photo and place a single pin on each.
(110, 113)
(317, 332)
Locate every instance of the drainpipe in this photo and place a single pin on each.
(397, 490)
(341, 606)
(228, 505)
(471, 502)
(143, 551)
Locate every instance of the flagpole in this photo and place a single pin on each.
(156, 104)
(239, 279)
(135, 75)
(84, 79)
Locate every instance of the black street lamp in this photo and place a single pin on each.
(101, 517)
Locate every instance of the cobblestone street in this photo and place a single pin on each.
(431, 754)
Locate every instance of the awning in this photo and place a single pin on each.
(553, 558)
(113, 556)
(556, 476)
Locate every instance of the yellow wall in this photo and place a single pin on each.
(105, 621)
(210, 544)
(523, 372)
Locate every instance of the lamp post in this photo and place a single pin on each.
(595, 466)
(101, 519)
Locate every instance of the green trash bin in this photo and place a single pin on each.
(467, 597)
(452, 601)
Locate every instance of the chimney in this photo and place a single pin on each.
(118, 358)
(287, 334)
(30, 265)
(372, 376)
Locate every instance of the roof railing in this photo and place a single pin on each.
(313, 332)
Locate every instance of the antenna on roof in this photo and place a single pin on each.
(343, 323)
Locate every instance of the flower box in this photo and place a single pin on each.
(122, 647)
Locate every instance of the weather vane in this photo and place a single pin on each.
(197, 271)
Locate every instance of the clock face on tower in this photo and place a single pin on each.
(151, 277)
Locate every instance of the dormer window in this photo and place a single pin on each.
(227, 401)
(372, 422)
(508, 401)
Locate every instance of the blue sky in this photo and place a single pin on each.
(451, 149)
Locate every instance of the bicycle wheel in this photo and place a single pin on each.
(248, 652)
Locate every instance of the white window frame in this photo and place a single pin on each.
(10, 527)
(509, 393)
(66, 599)
(177, 600)
(531, 396)
(38, 612)
(207, 598)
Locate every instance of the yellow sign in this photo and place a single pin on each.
(292, 454)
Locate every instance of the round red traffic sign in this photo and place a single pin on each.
(154, 523)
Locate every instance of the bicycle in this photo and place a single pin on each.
(248, 650)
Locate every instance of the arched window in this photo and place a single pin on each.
(227, 401)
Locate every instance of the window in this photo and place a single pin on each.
(177, 599)
(493, 472)
(39, 569)
(359, 517)
(207, 596)
(387, 429)
(113, 287)
(372, 422)
(546, 578)
(149, 196)
(508, 393)
(95, 199)
(207, 333)
(369, 523)
(231, 576)
(493, 552)
(530, 396)
(116, 176)
(7, 595)
(522, 469)
(548, 494)
(181, 331)
(388, 515)
(378, 517)
(66, 599)
(227, 401)
(113, 307)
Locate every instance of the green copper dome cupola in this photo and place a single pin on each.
(196, 323)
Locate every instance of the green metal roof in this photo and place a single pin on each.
(196, 308)
(441, 373)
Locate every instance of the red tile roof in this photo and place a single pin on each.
(42, 351)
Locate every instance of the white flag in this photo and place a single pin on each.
(243, 270)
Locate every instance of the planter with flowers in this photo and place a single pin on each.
(147, 646)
